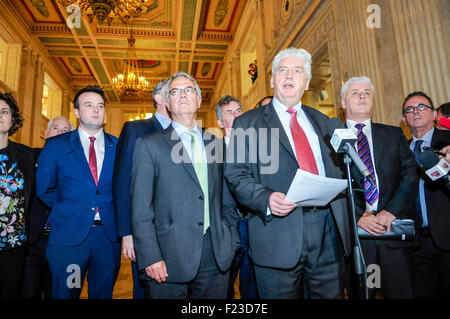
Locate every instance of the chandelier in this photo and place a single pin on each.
(131, 83)
(126, 10)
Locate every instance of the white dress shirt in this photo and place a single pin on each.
(367, 130)
(304, 122)
(99, 146)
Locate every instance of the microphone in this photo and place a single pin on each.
(435, 168)
(444, 122)
(426, 148)
(342, 140)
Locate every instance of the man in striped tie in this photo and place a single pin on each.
(384, 150)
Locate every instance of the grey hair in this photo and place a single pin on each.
(157, 90)
(56, 118)
(183, 75)
(225, 100)
(300, 53)
(355, 79)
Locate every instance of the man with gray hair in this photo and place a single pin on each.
(131, 131)
(384, 150)
(289, 244)
(37, 277)
(183, 219)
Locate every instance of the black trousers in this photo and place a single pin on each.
(11, 272)
(431, 269)
(209, 283)
(319, 272)
(37, 282)
(395, 269)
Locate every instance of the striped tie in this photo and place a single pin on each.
(370, 192)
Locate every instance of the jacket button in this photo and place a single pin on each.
(97, 192)
(200, 223)
(200, 197)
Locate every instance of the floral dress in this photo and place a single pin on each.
(12, 203)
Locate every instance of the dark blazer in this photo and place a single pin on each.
(65, 183)
(397, 182)
(277, 241)
(167, 206)
(438, 198)
(26, 160)
(131, 131)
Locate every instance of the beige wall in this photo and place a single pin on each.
(410, 51)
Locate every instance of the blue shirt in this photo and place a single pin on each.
(423, 205)
(162, 120)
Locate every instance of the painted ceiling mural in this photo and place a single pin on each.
(180, 35)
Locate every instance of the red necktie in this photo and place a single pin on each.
(93, 160)
(305, 155)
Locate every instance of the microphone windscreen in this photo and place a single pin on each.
(333, 124)
(445, 122)
(428, 159)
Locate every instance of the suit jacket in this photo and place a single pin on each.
(26, 160)
(167, 209)
(438, 198)
(64, 182)
(397, 182)
(131, 131)
(277, 241)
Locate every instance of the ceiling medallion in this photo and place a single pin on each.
(126, 10)
(131, 83)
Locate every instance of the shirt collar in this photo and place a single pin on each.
(351, 124)
(181, 129)
(85, 136)
(280, 107)
(426, 138)
(165, 122)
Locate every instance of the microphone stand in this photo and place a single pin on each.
(358, 258)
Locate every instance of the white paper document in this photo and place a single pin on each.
(309, 189)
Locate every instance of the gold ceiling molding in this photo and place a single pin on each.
(123, 29)
(218, 36)
(50, 28)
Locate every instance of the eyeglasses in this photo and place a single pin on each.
(187, 90)
(231, 112)
(420, 107)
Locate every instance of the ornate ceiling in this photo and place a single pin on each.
(180, 35)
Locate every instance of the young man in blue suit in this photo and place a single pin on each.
(74, 178)
(131, 131)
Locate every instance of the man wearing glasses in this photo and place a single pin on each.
(184, 229)
(432, 257)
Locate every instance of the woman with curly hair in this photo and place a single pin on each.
(17, 165)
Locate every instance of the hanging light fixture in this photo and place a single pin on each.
(126, 10)
(131, 82)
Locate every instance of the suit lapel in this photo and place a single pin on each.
(108, 161)
(77, 149)
(273, 121)
(172, 139)
(378, 147)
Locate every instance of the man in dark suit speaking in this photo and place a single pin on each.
(288, 244)
(184, 234)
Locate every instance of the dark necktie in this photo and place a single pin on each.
(417, 148)
(93, 160)
(370, 192)
(305, 155)
(416, 151)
